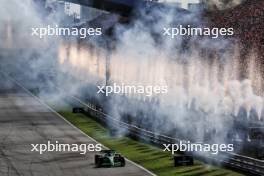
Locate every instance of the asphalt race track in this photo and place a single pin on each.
(25, 121)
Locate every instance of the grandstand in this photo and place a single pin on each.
(247, 19)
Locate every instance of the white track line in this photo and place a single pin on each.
(52, 110)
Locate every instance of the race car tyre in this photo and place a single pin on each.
(97, 160)
(123, 161)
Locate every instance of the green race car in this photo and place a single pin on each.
(109, 158)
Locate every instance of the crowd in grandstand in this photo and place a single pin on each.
(247, 19)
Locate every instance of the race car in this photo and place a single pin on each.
(78, 110)
(109, 158)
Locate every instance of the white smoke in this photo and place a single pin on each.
(204, 91)
(207, 91)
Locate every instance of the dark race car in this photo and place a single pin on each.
(109, 158)
(78, 110)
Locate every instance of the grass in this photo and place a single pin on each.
(150, 157)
